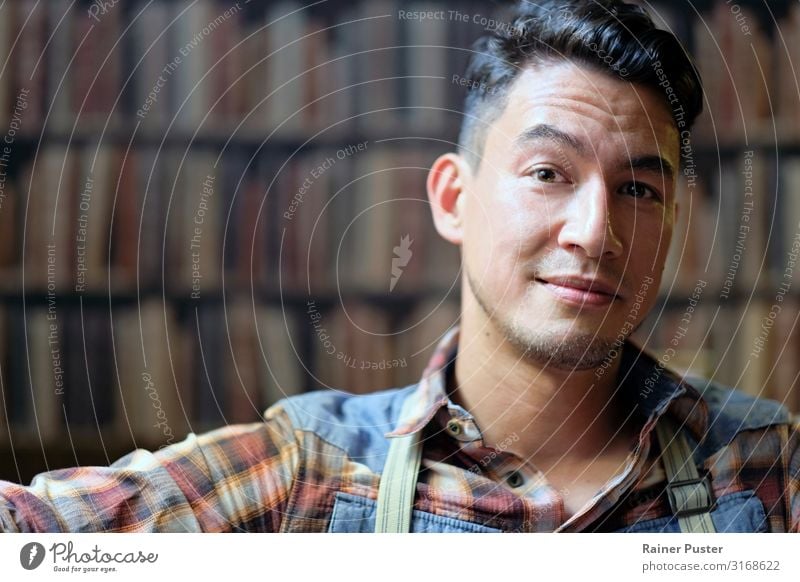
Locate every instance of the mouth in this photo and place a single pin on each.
(579, 291)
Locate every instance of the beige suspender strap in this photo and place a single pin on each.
(399, 481)
(690, 496)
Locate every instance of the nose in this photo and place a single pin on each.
(588, 223)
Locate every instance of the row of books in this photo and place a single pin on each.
(103, 219)
(156, 373)
(206, 67)
(753, 346)
(146, 373)
(242, 68)
(737, 226)
(749, 73)
(360, 348)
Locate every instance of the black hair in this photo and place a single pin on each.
(612, 36)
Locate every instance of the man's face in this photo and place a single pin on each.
(576, 181)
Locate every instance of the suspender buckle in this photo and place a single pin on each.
(691, 496)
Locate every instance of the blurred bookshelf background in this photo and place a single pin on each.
(201, 203)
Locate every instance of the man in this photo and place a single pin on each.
(537, 414)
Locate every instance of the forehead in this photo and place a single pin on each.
(611, 112)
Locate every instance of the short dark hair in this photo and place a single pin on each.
(610, 35)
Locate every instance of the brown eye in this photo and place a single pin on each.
(639, 190)
(546, 175)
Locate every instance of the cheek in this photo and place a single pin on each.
(508, 235)
(649, 236)
(520, 217)
(647, 260)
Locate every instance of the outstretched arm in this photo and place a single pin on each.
(236, 478)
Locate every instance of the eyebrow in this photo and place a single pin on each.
(546, 132)
(655, 164)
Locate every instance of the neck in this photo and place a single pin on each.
(548, 414)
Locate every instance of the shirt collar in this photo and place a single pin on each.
(654, 387)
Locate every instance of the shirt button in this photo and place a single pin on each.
(454, 427)
(515, 479)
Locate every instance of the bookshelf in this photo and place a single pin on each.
(184, 180)
(180, 187)
(739, 219)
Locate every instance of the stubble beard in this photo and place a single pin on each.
(576, 351)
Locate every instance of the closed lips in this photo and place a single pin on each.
(592, 285)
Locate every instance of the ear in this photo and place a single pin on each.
(447, 195)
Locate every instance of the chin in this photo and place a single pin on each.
(563, 346)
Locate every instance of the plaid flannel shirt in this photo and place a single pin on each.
(314, 465)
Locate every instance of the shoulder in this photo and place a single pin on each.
(734, 409)
(320, 408)
(732, 412)
(355, 423)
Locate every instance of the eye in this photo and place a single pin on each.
(639, 190)
(547, 175)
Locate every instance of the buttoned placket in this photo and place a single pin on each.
(525, 480)
(501, 466)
